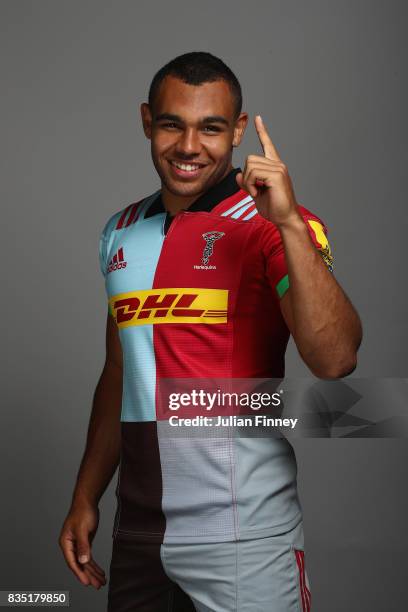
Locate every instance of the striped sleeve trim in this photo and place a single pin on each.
(123, 217)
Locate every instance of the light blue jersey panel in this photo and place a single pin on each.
(265, 472)
(140, 244)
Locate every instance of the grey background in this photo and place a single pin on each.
(329, 78)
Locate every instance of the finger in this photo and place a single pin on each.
(260, 160)
(70, 558)
(94, 573)
(96, 567)
(256, 161)
(83, 549)
(239, 178)
(246, 186)
(262, 170)
(267, 176)
(249, 183)
(267, 165)
(259, 177)
(94, 570)
(94, 580)
(266, 142)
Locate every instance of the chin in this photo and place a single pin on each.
(183, 189)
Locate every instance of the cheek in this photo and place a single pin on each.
(161, 143)
(219, 147)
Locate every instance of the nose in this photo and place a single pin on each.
(189, 142)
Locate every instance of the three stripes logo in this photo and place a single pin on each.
(130, 215)
(117, 262)
(244, 210)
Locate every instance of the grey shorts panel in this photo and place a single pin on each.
(260, 575)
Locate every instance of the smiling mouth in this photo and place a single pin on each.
(187, 167)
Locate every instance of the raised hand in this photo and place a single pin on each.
(266, 178)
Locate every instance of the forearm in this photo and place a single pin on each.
(102, 452)
(326, 327)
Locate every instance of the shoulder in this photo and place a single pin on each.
(241, 206)
(271, 237)
(122, 218)
(127, 216)
(238, 207)
(308, 217)
(312, 219)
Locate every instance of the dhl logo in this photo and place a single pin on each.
(177, 305)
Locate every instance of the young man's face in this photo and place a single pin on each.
(192, 130)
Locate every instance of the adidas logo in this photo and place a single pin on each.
(117, 262)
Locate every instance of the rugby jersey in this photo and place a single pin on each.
(196, 296)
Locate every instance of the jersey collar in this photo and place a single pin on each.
(216, 194)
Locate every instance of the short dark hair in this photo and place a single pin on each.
(195, 68)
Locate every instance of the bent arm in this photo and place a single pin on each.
(102, 452)
(324, 324)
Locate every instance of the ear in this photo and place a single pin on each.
(239, 129)
(146, 119)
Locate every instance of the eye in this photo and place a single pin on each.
(171, 125)
(211, 128)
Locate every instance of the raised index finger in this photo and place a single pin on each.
(266, 142)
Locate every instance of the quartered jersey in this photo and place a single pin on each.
(197, 296)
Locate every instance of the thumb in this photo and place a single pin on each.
(83, 548)
(239, 179)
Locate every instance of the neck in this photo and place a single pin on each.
(174, 203)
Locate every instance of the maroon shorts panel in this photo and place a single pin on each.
(138, 582)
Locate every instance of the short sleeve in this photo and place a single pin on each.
(276, 268)
(102, 254)
(103, 263)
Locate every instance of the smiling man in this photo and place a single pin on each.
(191, 147)
(206, 278)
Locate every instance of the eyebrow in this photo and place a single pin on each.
(210, 119)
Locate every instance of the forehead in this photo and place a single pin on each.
(194, 101)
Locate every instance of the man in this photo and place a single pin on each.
(207, 277)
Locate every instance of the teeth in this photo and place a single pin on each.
(186, 167)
